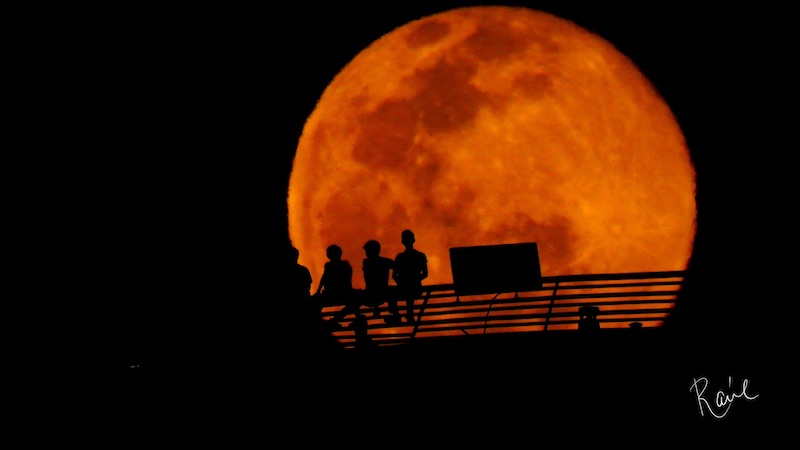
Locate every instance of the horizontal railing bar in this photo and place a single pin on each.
(446, 312)
(547, 300)
(529, 324)
(586, 277)
(538, 325)
(631, 312)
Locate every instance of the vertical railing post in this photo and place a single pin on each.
(419, 317)
(550, 310)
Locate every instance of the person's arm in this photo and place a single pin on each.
(394, 271)
(349, 275)
(424, 273)
(321, 282)
(308, 281)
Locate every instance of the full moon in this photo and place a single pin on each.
(494, 125)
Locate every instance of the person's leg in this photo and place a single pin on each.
(410, 309)
(352, 305)
(394, 311)
(339, 315)
(412, 295)
(408, 297)
(374, 299)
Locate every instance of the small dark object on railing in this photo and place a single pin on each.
(588, 320)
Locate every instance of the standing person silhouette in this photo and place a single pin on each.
(336, 284)
(410, 268)
(376, 270)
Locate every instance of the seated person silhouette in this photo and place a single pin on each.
(299, 282)
(376, 270)
(336, 284)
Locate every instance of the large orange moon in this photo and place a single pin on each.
(492, 125)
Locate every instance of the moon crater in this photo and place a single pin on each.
(427, 34)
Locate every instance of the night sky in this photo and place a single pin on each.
(188, 120)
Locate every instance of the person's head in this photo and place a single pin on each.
(372, 247)
(294, 254)
(407, 238)
(334, 252)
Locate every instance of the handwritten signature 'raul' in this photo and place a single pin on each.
(721, 401)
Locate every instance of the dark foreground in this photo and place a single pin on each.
(614, 386)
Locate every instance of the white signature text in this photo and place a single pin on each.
(720, 404)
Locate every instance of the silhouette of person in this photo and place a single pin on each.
(377, 270)
(588, 319)
(309, 328)
(362, 339)
(410, 268)
(336, 283)
(299, 279)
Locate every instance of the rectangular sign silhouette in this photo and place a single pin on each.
(493, 269)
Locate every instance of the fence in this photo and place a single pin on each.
(563, 303)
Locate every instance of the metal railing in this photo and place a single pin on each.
(622, 300)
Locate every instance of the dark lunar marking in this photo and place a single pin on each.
(555, 240)
(427, 33)
(358, 102)
(454, 212)
(386, 136)
(534, 86)
(399, 214)
(448, 100)
(495, 41)
(424, 176)
(384, 189)
(318, 138)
